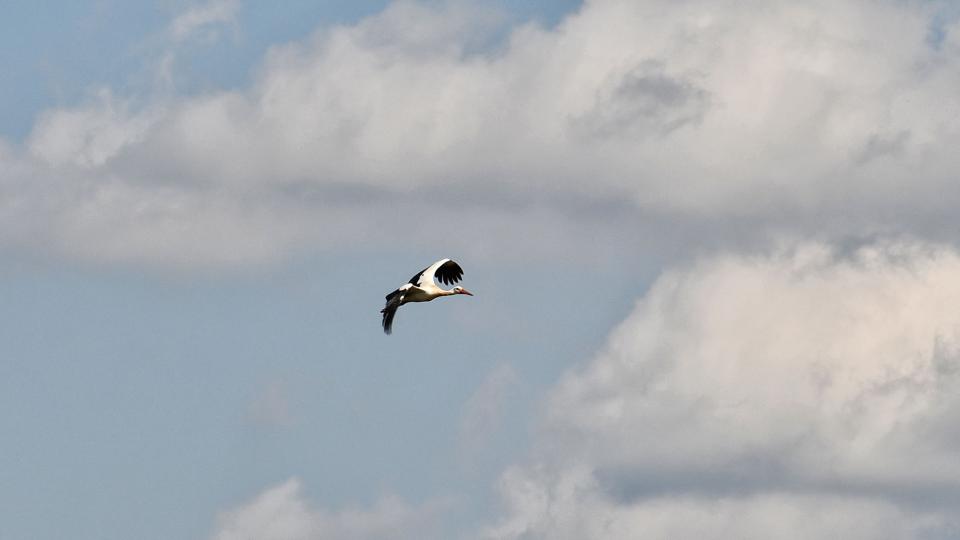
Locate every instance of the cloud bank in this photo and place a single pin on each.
(740, 116)
(810, 393)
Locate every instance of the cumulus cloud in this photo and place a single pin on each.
(692, 116)
(282, 513)
(811, 393)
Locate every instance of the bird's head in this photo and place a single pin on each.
(461, 290)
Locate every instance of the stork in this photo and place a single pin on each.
(421, 288)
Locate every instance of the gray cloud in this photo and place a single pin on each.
(878, 146)
(644, 102)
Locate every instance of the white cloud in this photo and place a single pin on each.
(202, 17)
(804, 394)
(726, 116)
(90, 136)
(282, 513)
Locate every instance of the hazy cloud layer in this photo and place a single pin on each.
(809, 393)
(203, 17)
(270, 407)
(282, 513)
(483, 412)
(835, 117)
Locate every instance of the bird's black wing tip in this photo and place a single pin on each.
(449, 273)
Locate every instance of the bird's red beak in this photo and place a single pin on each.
(466, 292)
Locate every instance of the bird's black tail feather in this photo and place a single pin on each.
(393, 302)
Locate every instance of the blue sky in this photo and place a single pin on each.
(129, 400)
(711, 246)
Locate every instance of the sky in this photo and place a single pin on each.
(713, 248)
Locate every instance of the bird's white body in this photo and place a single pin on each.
(422, 293)
(421, 288)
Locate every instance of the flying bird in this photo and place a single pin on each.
(421, 288)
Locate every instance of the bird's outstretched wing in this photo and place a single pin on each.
(445, 271)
